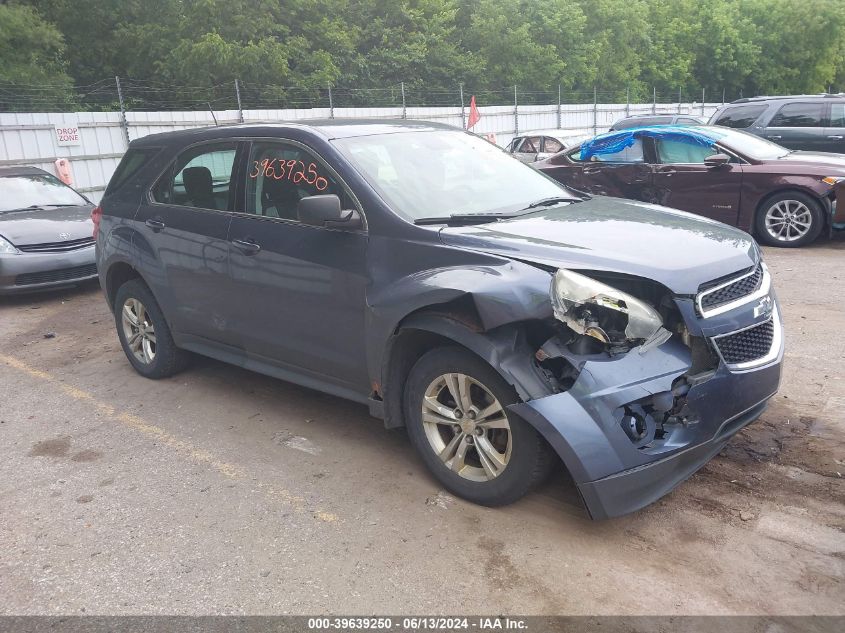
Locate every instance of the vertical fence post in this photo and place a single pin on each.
(463, 113)
(723, 96)
(331, 102)
(559, 111)
(654, 99)
(627, 101)
(404, 109)
(595, 111)
(679, 100)
(515, 113)
(123, 122)
(702, 102)
(238, 96)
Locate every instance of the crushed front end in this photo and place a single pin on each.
(650, 385)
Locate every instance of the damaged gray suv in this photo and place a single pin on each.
(505, 321)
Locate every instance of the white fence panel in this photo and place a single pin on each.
(30, 138)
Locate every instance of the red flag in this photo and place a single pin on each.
(474, 114)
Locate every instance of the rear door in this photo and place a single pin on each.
(683, 181)
(799, 125)
(625, 174)
(551, 146)
(184, 247)
(835, 132)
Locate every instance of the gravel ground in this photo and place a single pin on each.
(221, 491)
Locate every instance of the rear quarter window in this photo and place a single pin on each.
(740, 117)
(129, 165)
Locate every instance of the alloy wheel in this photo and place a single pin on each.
(466, 427)
(139, 331)
(788, 220)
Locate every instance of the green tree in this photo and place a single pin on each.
(32, 74)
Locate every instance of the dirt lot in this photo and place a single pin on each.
(223, 491)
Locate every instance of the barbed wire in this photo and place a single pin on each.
(150, 95)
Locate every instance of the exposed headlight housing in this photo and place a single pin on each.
(6, 247)
(609, 315)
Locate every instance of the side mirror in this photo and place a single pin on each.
(325, 210)
(717, 160)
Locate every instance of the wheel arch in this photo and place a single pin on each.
(507, 349)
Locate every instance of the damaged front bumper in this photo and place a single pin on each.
(614, 473)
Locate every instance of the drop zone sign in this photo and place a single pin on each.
(67, 134)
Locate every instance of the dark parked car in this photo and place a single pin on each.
(807, 122)
(502, 319)
(786, 198)
(641, 120)
(45, 232)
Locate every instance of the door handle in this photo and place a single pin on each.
(156, 225)
(668, 172)
(775, 137)
(247, 246)
(835, 137)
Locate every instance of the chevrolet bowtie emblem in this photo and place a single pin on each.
(763, 307)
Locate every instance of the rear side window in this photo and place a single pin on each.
(837, 115)
(552, 145)
(740, 117)
(799, 115)
(129, 165)
(200, 178)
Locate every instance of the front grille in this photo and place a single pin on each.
(731, 292)
(64, 274)
(747, 345)
(57, 247)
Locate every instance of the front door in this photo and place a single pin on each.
(683, 181)
(184, 249)
(298, 290)
(799, 126)
(528, 149)
(834, 134)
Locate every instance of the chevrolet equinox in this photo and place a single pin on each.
(504, 320)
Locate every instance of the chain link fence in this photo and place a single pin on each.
(109, 113)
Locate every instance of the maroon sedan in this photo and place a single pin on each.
(786, 198)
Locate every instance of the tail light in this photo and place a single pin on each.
(96, 215)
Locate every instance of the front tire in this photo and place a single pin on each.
(144, 334)
(457, 419)
(789, 219)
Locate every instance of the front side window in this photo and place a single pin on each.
(837, 115)
(36, 190)
(799, 115)
(443, 172)
(740, 117)
(674, 151)
(280, 174)
(201, 178)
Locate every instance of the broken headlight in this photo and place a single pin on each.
(609, 315)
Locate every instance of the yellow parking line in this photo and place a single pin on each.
(135, 422)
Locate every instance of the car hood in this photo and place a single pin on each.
(814, 159)
(677, 249)
(50, 224)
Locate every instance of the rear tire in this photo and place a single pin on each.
(789, 219)
(468, 440)
(144, 334)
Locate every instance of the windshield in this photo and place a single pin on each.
(441, 173)
(747, 144)
(20, 192)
